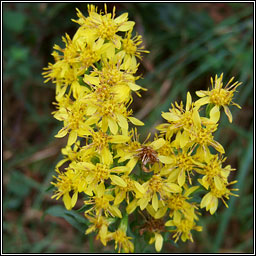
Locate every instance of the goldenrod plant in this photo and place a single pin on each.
(105, 164)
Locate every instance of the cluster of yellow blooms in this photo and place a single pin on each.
(104, 160)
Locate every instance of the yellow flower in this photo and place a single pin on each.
(179, 166)
(73, 116)
(65, 184)
(99, 224)
(183, 227)
(101, 203)
(158, 239)
(76, 154)
(62, 72)
(95, 77)
(131, 47)
(99, 173)
(214, 173)
(179, 118)
(179, 203)
(111, 81)
(122, 241)
(219, 96)
(100, 144)
(105, 26)
(156, 188)
(210, 200)
(203, 137)
(133, 186)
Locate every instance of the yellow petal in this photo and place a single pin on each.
(67, 201)
(184, 139)
(126, 26)
(202, 101)
(110, 51)
(119, 197)
(61, 162)
(139, 187)
(120, 169)
(119, 139)
(88, 165)
(156, 144)
(173, 175)
(150, 210)
(218, 182)
(121, 18)
(112, 126)
(131, 164)
(159, 242)
(174, 188)
(118, 181)
(176, 217)
(106, 155)
(218, 146)
(206, 200)
(166, 159)
(115, 211)
(100, 190)
(181, 178)
(143, 202)
(170, 116)
(214, 205)
(104, 124)
(215, 114)
(122, 121)
(196, 118)
(190, 190)
(91, 110)
(201, 93)
(88, 79)
(133, 63)
(72, 138)
(92, 120)
(131, 206)
(228, 113)
(161, 212)
(74, 199)
(63, 132)
(134, 87)
(169, 223)
(89, 178)
(135, 121)
(60, 93)
(189, 100)
(155, 202)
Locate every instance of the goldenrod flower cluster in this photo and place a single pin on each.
(106, 165)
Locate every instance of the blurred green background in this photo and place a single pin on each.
(188, 43)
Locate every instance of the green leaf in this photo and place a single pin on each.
(14, 21)
(71, 217)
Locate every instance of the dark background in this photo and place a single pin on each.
(188, 43)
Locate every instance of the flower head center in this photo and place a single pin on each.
(129, 46)
(102, 202)
(221, 96)
(156, 183)
(100, 139)
(184, 161)
(102, 172)
(107, 29)
(111, 76)
(176, 202)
